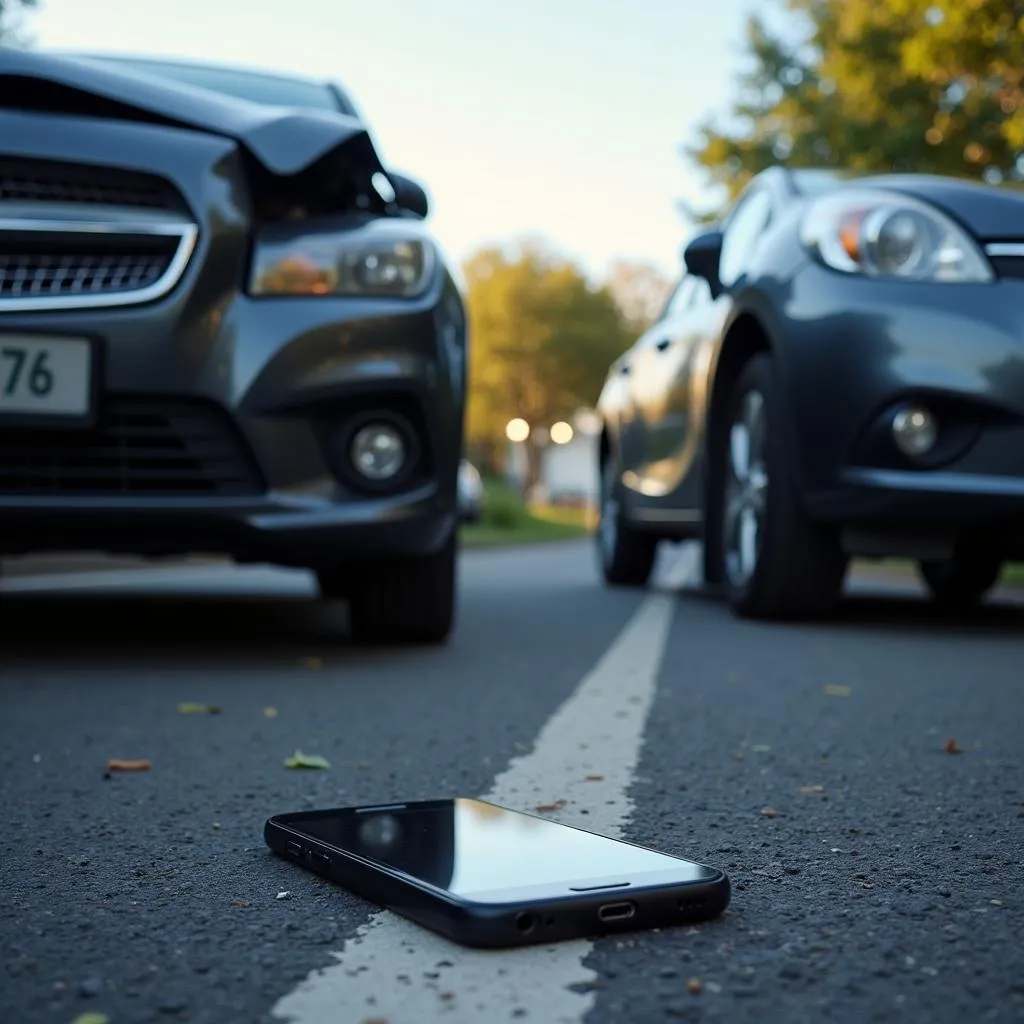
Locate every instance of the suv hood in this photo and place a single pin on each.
(284, 142)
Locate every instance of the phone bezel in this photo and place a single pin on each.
(535, 915)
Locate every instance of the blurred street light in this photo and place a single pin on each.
(561, 432)
(517, 430)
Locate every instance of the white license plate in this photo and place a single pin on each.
(44, 376)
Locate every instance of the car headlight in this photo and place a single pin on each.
(364, 260)
(887, 235)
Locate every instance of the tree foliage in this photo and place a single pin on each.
(10, 12)
(640, 290)
(930, 86)
(542, 340)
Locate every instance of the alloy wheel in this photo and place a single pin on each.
(746, 489)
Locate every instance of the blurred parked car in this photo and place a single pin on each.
(471, 493)
(840, 373)
(224, 329)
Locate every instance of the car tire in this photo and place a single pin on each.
(961, 581)
(775, 562)
(626, 556)
(410, 601)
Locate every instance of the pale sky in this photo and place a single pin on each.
(561, 118)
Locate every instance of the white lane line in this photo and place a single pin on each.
(397, 972)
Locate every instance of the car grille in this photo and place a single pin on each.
(140, 448)
(45, 181)
(78, 237)
(44, 265)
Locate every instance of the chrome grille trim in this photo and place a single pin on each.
(1005, 249)
(185, 232)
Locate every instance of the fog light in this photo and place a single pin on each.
(379, 452)
(915, 431)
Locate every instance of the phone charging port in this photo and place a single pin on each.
(616, 911)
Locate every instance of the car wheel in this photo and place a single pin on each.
(626, 555)
(410, 601)
(776, 563)
(961, 581)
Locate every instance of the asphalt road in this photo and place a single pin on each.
(876, 875)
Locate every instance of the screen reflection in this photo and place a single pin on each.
(470, 847)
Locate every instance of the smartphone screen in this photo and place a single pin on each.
(480, 852)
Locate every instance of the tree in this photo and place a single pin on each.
(542, 339)
(930, 86)
(10, 18)
(640, 290)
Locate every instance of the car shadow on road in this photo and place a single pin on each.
(48, 627)
(903, 611)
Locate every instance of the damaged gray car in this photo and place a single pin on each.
(225, 329)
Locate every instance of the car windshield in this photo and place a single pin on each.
(247, 85)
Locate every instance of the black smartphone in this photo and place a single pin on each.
(486, 876)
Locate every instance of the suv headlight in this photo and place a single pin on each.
(886, 235)
(369, 259)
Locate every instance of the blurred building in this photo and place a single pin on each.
(568, 470)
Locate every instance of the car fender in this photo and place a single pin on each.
(762, 302)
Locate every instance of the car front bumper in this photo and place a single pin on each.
(219, 416)
(855, 351)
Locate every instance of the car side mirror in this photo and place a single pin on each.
(701, 257)
(410, 195)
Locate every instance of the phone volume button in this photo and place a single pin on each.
(320, 860)
(294, 849)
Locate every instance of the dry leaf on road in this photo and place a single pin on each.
(832, 690)
(301, 760)
(188, 708)
(593, 778)
(117, 765)
(694, 986)
(550, 808)
(769, 812)
(952, 747)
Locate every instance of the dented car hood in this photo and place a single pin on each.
(284, 141)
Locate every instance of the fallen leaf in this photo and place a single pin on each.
(116, 765)
(831, 690)
(593, 778)
(301, 760)
(769, 812)
(270, 712)
(694, 986)
(239, 903)
(188, 708)
(312, 662)
(952, 747)
(91, 1018)
(812, 789)
(549, 808)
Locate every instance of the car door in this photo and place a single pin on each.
(647, 386)
(675, 416)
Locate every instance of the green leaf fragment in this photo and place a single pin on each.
(189, 708)
(91, 1018)
(301, 760)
